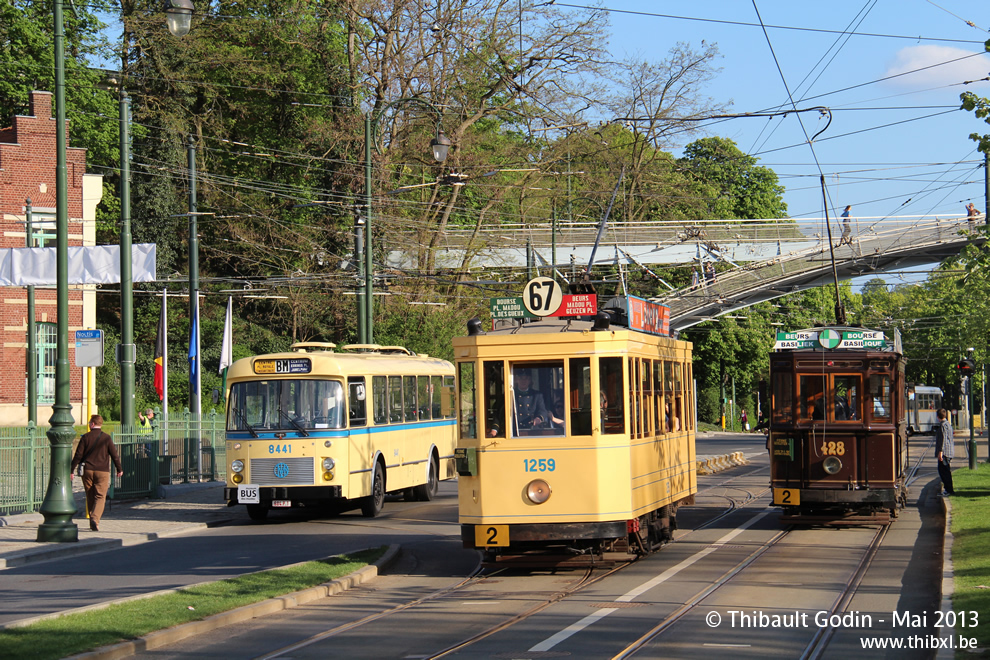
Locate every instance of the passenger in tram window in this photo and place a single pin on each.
(557, 415)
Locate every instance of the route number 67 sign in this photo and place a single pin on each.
(542, 296)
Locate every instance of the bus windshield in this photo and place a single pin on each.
(270, 405)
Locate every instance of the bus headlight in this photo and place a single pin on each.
(237, 465)
(538, 491)
(328, 476)
(832, 464)
(328, 464)
(236, 478)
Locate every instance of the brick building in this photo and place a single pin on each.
(27, 171)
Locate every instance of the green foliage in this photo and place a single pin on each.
(738, 187)
(980, 107)
(971, 536)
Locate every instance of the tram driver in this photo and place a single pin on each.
(529, 410)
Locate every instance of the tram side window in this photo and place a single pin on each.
(469, 419)
(379, 393)
(425, 408)
(659, 412)
(436, 393)
(533, 384)
(812, 392)
(409, 393)
(613, 395)
(677, 409)
(495, 400)
(647, 380)
(846, 391)
(880, 405)
(394, 399)
(356, 403)
(634, 408)
(671, 397)
(580, 396)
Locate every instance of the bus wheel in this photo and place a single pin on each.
(371, 506)
(257, 511)
(428, 491)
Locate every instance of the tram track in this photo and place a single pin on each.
(591, 576)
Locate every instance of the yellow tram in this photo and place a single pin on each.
(574, 436)
(838, 426)
(319, 427)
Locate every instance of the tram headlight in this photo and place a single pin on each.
(328, 464)
(538, 491)
(237, 465)
(832, 464)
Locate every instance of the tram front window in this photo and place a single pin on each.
(533, 385)
(812, 393)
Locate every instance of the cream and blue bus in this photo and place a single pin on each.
(322, 427)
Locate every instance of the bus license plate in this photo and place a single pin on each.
(248, 494)
(282, 503)
(490, 536)
(787, 496)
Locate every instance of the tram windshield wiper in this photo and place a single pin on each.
(296, 424)
(240, 415)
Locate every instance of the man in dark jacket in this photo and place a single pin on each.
(95, 451)
(944, 450)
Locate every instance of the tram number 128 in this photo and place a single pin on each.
(786, 496)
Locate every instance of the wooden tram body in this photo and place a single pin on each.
(838, 429)
(317, 427)
(606, 471)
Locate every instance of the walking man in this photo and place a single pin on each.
(95, 452)
(944, 450)
(846, 226)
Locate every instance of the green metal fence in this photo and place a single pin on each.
(166, 454)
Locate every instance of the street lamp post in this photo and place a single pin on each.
(58, 505)
(440, 145)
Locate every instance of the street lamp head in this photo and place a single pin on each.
(441, 146)
(178, 16)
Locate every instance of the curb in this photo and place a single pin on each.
(948, 579)
(89, 546)
(161, 638)
(713, 464)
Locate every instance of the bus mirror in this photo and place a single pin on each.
(359, 390)
(216, 396)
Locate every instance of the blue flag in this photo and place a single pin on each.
(194, 353)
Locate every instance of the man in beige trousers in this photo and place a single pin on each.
(95, 451)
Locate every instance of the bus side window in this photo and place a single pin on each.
(395, 399)
(356, 401)
(436, 391)
(409, 393)
(379, 388)
(425, 409)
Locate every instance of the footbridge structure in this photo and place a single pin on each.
(884, 248)
(767, 259)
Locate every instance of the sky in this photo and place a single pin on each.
(895, 146)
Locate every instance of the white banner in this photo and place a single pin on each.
(95, 264)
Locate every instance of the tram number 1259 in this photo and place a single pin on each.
(491, 535)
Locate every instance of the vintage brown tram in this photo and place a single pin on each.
(838, 430)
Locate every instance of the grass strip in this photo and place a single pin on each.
(970, 559)
(83, 631)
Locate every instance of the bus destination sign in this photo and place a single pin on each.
(831, 339)
(283, 366)
(649, 317)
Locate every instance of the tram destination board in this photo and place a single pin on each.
(831, 339)
(283, 366)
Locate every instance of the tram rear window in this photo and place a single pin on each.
(782, 403)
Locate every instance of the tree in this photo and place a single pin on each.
(739, 188)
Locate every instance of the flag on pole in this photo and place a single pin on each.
(194, 352)
(227, 346)
(160, 352)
